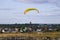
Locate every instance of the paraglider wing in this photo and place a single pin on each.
(30, 9)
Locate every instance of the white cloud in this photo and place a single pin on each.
(55, 2)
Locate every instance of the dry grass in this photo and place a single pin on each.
(33, 34)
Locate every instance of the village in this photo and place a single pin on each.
(30, 31)
(15, 28)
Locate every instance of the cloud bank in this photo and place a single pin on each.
(6, 9)
(55, 2)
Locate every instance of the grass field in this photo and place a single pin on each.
(32, 34)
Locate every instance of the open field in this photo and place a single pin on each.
(32, 34)
(35, 35)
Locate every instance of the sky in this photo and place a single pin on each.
(12, 11)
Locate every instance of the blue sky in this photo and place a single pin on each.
(12, 11)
